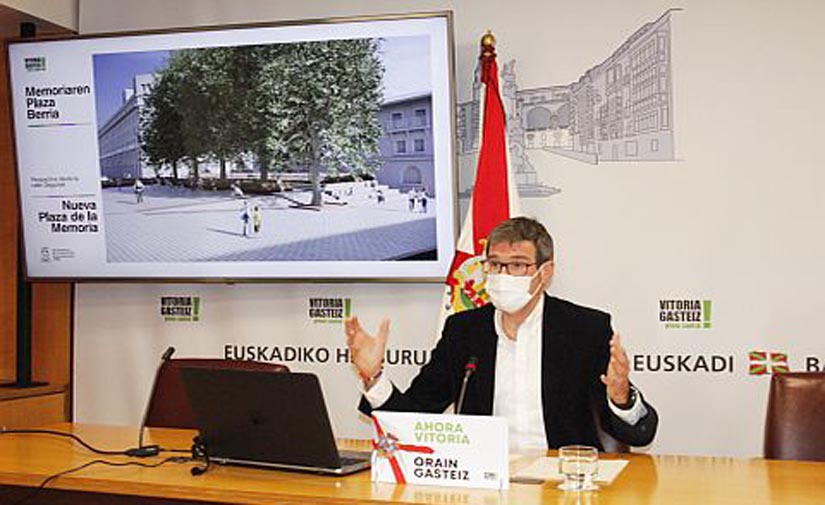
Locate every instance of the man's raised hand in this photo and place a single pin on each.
(616, 376)
(366, 351)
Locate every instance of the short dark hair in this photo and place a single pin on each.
(518, 229)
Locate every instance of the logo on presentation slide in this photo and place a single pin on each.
(766, 363)
(180, 308)
(685, 313)
(329, 310)
(35, 64)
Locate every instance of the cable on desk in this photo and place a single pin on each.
(80, 441)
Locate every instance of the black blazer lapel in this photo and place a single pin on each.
(481, 386)
(552, 367)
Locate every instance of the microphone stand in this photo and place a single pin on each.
(469, 370)
(145, 451)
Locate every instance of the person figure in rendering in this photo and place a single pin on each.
(412, 196)
(550, 367)
(423, 196)
(237, 192)
(246, 218)
(257, 220)
(139, 188)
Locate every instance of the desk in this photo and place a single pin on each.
(25, 460)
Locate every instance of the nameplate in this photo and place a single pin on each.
(440, 449)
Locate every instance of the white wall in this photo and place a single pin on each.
(737, 218)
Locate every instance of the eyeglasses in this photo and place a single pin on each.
(514, 268)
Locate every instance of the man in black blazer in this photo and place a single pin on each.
(547, 365)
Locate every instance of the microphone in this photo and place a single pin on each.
(145, 451)
(469, 370)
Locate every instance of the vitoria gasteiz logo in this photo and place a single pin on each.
(180, 308)
(329, 310)
(686, 313)
(35, 64)
(765, 362)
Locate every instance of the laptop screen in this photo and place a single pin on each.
(264, 417)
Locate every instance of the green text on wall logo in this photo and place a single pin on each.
(685, 313)
(180, 308)
(329, 310)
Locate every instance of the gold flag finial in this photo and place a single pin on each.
(488, 39)
(488, 45)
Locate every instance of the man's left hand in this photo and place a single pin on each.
(618, 385)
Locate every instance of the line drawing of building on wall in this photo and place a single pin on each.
(618, 110)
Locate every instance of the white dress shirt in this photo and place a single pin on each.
(517, 395)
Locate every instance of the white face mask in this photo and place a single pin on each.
(509, 293)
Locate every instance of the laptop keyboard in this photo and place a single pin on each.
(353, 457)
(351, 461)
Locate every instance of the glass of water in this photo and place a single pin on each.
(579, 466)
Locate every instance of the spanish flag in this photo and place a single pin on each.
(494, 198)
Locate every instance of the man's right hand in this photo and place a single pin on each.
(367, 351)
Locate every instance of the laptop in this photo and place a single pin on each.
(265, 419)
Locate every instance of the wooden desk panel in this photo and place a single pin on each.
(32, 407)
(51, 332)
(8, 234)
(27, 459)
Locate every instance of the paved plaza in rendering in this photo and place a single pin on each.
(176, 224)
